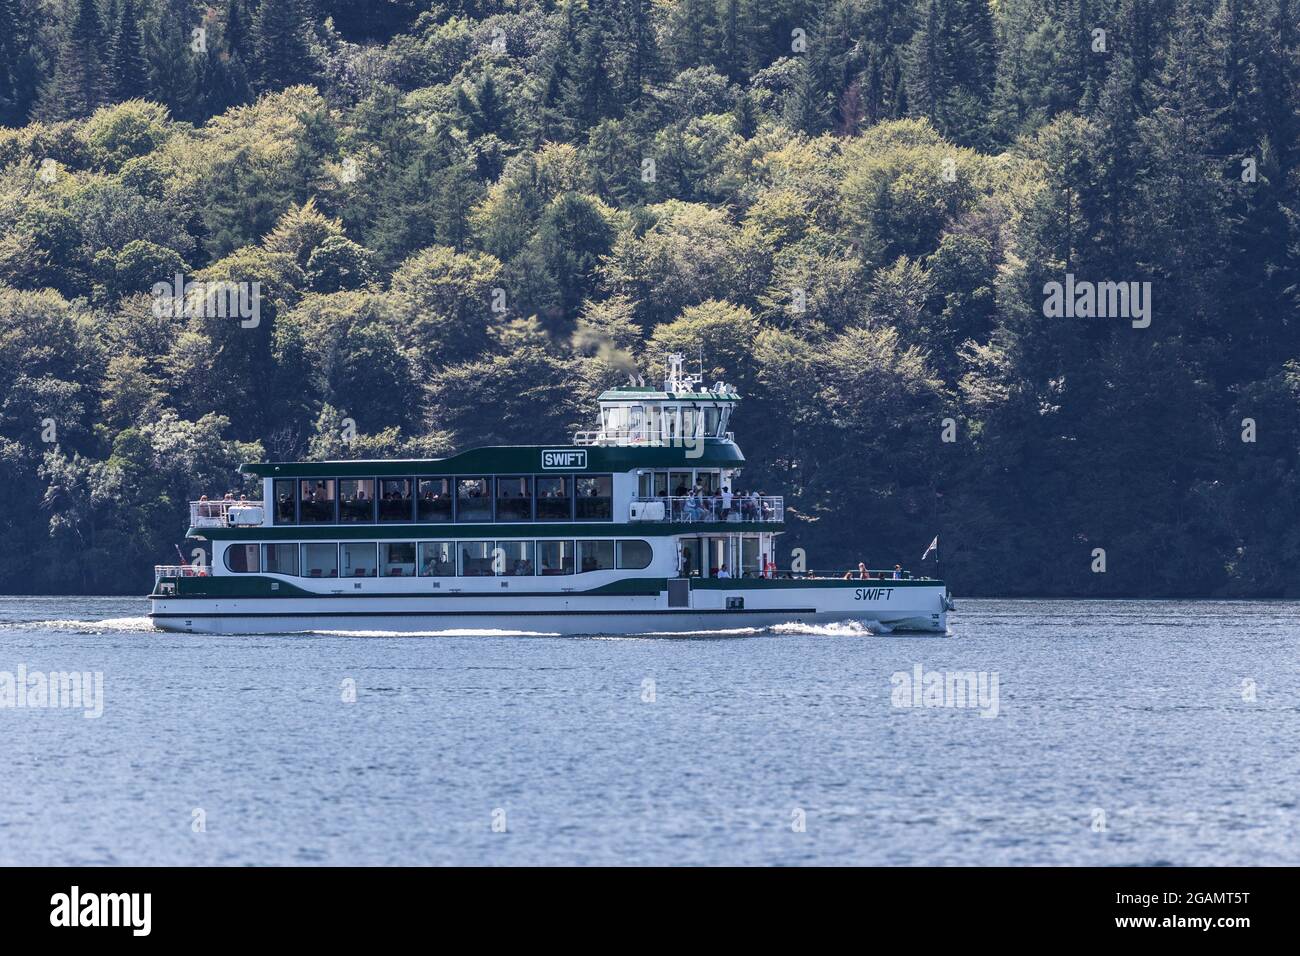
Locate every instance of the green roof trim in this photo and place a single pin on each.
(515, 460)
(480, 532)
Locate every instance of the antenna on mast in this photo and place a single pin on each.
(676, 378)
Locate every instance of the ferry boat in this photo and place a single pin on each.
(642, 526)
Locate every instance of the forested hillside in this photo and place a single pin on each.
(468, 218)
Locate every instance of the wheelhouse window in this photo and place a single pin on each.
(438, 559)
(634, 555)
(595, 498)
(515, 558)
(320, 560)
(242, 558)
(396, 499)
(358, 559)
(654, 415)
(712, 417)
(555, 557)
(554, 499)
(357, 500)
(434, 503)
(690, 421)
(316, 501)
(280, 558)
(595, 555)
(397, 559)
(514, 499)
(475, 558)
(286, 502)
(473, 501)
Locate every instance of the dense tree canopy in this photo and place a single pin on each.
(466, 219)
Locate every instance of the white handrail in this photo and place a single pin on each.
(224, 513)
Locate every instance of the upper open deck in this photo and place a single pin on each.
(660, 456)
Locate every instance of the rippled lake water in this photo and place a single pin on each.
(1121, 733)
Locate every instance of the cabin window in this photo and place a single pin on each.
(397, 559)
(438, 559)
(358, 559)
(320, 560)
(357, 500)
(515, 558)
(286, 502)
(475, 558)
(594, 500)
(514, 499)
(554, 499)
(708, 481)
(316, 501)
(555, 557)
(596, 555)
(242, 558)
(434, 503)
(473, 501)
(396, 499)
(749, 558)
(280, 558)
(634, 555)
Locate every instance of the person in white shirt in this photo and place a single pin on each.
(726, 502)
(723, 573)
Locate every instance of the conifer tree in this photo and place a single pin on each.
(80, 82)
(130, 68)
(281, 56)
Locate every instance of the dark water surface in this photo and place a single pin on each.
(1121, 733)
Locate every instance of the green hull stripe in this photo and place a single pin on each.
(251, 586)
(566, 613)
(763, 584)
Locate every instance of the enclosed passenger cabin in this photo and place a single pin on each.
(653, 489)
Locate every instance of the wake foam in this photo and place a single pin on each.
(108, 625)
(834, 629)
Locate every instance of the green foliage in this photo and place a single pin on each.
(850, 208)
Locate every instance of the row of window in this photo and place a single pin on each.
(433, 500)
(398, 559)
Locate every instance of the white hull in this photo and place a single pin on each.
(882, 607)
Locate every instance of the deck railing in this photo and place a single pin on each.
(637, 437)
(226, 514)
(767, 509)
(161, 571)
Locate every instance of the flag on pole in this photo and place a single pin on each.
(934, 546)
